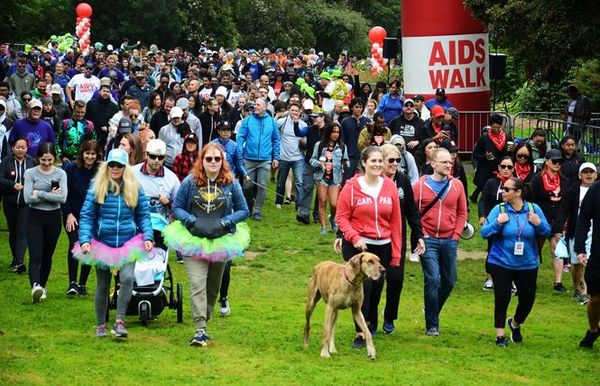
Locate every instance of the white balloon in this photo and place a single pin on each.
(376, 45)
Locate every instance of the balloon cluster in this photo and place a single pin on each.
(376, 36)
(64, 42)
(82, 28)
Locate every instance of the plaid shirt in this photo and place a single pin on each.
(183, 163)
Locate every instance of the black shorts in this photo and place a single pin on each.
(592, 277)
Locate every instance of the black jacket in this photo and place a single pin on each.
(541, 197)
(590, 210)
(10, 174)
(569, 207)
(409, 211)
(485, 169)
(100, 111)
(490, 197)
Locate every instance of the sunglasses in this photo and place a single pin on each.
(522, 156)
(507, 189)
(156, 156)
(557, 161)
(26, 99)
(409, 105)
(113, 165)
(394, 160)
(509, 167)
(211, 159)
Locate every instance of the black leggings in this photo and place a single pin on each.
(73, 263)
(16, 219)
(526, 283)
(372, 289)
(224, 292)
(43, 231)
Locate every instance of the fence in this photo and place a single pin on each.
(471, 123)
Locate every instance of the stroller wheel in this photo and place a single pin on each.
(144, 313)
(179, 302)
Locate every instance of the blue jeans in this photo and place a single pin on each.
(439, 272)
(284, 169)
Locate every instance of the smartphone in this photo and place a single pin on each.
(54, 185)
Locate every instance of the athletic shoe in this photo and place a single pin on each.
(559, 287)
(567, 267)
(19, 268)
(515, 333)
(576, 295)
(589, 339)
(359, 342)
(101, 331)
(73, 289)
(501, 341)
(199, 339)
(82, 290)
(44, 294)
(488, 285)
(119, 329)
(388, 327)
(323, 231)
(277, 206)
(36, 292)
(413, 257)
(334, 227)
(432, 331)
(513, 290)
(287, 201)
(225, 309)
(257, 216)
(303, 219)
(583, 299)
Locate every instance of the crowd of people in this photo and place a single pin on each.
(98, 142)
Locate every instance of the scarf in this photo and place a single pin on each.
(499, 140)
(502, 179)
(522, 171)
(551, 184)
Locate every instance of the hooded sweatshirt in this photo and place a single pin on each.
(360, 216)
(448, 216)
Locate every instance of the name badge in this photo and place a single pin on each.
(519, 247)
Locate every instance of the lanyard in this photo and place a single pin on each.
(516, 217)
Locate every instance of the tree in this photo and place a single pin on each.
(211, 22)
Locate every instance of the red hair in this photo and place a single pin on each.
(223, 178)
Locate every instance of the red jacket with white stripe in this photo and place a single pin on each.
(359, 215)
(448, 216)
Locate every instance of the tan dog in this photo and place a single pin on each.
(341, 286)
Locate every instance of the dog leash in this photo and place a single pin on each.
(267, 189)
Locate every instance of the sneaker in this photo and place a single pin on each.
(501, 341)
(323, 231)
(277, 206)
(73, 289)
(488, 285)
(334, 227)
(515, 333)
(44, 294)
(567, 267)
(583, 299)
(359, 342)
(119, 329)
(36, 292)
(303, 219)
(287, 201)
(513, 290)
(199, 339)
(257, 216)
(576, 295)
(82, 290)
(415, 258)
(19, 268)
(388, 327)
(432, 331)
(101, 331)
(559, 287)
(589, 339)
(225, 309)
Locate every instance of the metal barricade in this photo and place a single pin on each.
(588, 136)
(470, 125)
(525, 122)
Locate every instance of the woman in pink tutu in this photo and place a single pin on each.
(114, 231)
(210, 209)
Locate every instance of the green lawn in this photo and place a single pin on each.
(260, 342)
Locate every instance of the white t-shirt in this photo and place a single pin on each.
(84, 87)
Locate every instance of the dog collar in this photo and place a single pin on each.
(346, 274)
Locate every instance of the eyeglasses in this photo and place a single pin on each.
(117, 165)
(156, 156)
(211, 159)
(509, 167)
(556, 161)
(522, 156)
(507, 189)
(394, 160)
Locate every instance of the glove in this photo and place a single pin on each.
(209, 228)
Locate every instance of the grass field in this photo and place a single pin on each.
(260, 342)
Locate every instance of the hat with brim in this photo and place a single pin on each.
(325, 75)
(35, 103)
(156, 147)
(119, 156)
(587, 165)
(124, 126)
(554, 154)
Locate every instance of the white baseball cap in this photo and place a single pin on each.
(156, 147)
(587, 165)
(35, 103)
(176, 112)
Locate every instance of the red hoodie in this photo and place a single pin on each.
(359, 215)
(448, 216)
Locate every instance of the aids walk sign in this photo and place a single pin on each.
(457, 63)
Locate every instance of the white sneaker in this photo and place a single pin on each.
(225, 310)
(36, 292)
(488, 285)
(44, 294)
(278, 206)
(414, 258)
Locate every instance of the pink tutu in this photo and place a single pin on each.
(103, 256)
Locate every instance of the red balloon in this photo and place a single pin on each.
(377, 34)
(83, 10)
(78, 20)
(373, 50)
(377, 56)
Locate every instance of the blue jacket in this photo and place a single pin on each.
(390, 107)
(504, 237)
(259, 138)
(114, 223)
(235, 203)
(234, 156)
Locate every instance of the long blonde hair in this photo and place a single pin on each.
(103, 183)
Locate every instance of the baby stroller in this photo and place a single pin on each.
(153, 287)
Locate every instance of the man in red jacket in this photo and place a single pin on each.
(443, 220)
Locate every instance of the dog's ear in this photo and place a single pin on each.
(355, 263)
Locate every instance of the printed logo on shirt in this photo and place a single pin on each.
(364, 201)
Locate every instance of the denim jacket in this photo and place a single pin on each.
(338, 160)
(236, 207)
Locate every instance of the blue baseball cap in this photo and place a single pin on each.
(119, 156)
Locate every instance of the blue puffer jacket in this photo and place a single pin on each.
(114, 223)
(259, 138)
(236, 208)
(234, 156)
